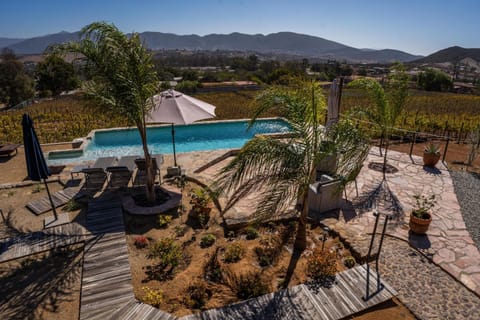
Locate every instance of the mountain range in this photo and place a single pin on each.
(284, 43)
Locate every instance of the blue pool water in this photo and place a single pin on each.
(188, 138)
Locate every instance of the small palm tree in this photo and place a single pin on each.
(282, 169)
(387, 104)
(122, 77)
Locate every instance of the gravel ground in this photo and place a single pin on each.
(428, 291)
(467, 188)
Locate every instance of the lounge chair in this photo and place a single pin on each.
(59, 198)
(104, 162)
(94, 178)
(121, 174)
(157, 161)
(8, 148)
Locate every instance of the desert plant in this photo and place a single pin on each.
(269, 250)
(251, 233)
(167, 252)
(284, 168)
(153, 297)
(180, 231)
(140, 242)
(197, 294)
(207, 240)
(432, 148)
(72, 205)
(38, 187)
(233, 252)
(349, 261)
(213, 268)
(122, 78)
(321, 264)
(423, 204)
(164, 220)
(248, 285)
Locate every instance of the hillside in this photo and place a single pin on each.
(453, 55)
(282, 43)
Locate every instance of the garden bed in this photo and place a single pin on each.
(196, 265)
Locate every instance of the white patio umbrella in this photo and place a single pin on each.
(174, 107)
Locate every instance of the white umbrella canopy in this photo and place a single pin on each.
(171, 106)
(174, 107)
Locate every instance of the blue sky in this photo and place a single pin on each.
(415, 26)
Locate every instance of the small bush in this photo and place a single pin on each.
(164, 220)
(207, 240)
(349, 262)
(167, 252)
(321, 264)
(213, 269)
(37, 188)
(248, 285)
(153, 297)
(140, 242)
(269, 250)
(180, 231)
(72, 205)
(233, 253)
(251, 233)
(197, 294)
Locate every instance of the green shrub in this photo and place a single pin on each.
(72, 205)
(207, 240)
(153, 297)
(164, 220)
(322, 264)
(248, 285)
(269, 250)
(197, 294)
(167, 252)
(251, 233)
(180, 231)
(233, 252)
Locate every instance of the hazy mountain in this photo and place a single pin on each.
(453, 55)
(5, 42)
(299, 45)
(39, 44)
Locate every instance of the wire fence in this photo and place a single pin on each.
(445, 136)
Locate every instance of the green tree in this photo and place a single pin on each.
(55, 75)
(123, 78)
(15, 84)
(434, 80)
(388, 103)
(282, 169)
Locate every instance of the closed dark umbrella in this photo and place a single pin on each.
(36, 165)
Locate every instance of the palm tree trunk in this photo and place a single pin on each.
(387, 140)
(301, 238)
(149, 186)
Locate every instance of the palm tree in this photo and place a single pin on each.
(282, 169)
(122, 77)
(388, 103)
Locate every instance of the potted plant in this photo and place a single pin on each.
(420, 217)
(431, 155)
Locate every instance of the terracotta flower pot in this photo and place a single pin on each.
(420, 225)
(431, 159)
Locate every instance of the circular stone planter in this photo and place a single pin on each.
(419, 225)
(175, 199)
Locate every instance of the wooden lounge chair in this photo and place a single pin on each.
(94, 178)
(119, 177)
(104, 162)
(8, 148)
(157, 161)
(59, 198)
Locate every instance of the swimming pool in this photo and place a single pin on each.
(194, 137)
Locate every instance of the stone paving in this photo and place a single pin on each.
(447, 242)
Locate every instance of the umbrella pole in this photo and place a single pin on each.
(173, 140)
(51, 200)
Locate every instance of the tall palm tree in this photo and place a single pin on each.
(388, 102)
(282, 169)
(122, 77)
